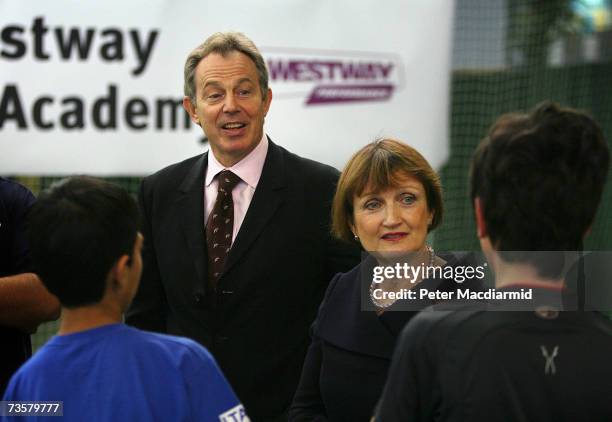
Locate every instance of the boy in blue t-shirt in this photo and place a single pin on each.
(86, 247)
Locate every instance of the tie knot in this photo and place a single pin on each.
(227, 180)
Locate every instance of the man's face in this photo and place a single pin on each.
(229, 106)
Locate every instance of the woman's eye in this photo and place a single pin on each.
(371, 205)
(408, 199)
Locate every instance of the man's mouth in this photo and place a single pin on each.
(233, 125)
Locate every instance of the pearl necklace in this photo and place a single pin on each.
(378, 304)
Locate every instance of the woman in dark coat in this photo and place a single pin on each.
(388, 198)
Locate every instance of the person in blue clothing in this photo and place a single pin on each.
(85, 246)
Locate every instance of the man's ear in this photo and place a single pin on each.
(120, 271)
(267, 101)
(191, 110)
(481, 225)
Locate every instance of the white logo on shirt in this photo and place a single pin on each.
(235, 414)
(550, 360)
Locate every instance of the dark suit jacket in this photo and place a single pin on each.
(256, 324)
(348, 360)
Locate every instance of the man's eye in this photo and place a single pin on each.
(214, 96)
(244, 92)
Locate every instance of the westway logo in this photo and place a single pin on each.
(332, 77)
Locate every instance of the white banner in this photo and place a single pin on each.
(95, 86)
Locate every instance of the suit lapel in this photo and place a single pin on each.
(269, 194)
(190, 212)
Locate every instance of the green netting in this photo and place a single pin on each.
(477, 99)
(545, 49)
(508, 56)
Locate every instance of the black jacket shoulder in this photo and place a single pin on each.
(173, 174)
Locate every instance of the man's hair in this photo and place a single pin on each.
(224, 43)
(540, 177)
(380, 165)
(77, 230)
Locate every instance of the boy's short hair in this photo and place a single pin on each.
(540, 177)
(77, 230)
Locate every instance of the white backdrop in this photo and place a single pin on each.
(84, 84)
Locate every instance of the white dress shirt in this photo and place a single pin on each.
(248, 169)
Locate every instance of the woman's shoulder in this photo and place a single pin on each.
(344, 280)
(341, 286)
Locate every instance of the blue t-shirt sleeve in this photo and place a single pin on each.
(11, 394)
(210, 395)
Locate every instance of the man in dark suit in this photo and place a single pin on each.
(237, 247)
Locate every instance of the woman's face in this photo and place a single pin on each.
(392, 220)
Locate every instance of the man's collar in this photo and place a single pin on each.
(248, 169)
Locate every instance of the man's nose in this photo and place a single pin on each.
(230, 104)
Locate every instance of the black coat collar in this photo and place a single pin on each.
(343, 323)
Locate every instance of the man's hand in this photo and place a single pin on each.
(25, 303)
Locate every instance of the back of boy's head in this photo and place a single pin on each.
(540, 178)
(77, 230)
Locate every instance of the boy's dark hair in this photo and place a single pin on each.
(540, 177)
(77, 230)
